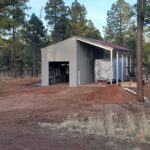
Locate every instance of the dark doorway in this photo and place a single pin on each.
(58, 72)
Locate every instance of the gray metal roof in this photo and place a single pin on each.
(103, 44)
(98, 43)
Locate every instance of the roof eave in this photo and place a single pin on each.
(94, 44)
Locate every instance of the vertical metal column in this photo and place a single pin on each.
(116, 67)
(111, 61)
(130, 64)
(127, 66)
(122, 66)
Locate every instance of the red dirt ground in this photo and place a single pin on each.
(23, 100)
(112, 94)
(23, 103)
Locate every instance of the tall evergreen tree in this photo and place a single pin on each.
(56, 15)
(69, 21)
(78, 19)
(91, 31)
(79, 25)
(12, 14)
(35, 36)
(118, 22)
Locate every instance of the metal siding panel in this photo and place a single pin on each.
(44, 68)
(85, 64)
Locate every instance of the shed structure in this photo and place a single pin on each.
(73, 60)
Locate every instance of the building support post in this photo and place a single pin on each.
(127, 66)
(130, 64)
(111, 61)
(117, 67)
(122, 66)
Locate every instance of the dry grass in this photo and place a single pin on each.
(130, 126)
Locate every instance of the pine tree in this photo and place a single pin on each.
(118, 22)
(79, 25)
(77, 15)
(92, 31)
(35, 36)
(56, 15)
(12, 15)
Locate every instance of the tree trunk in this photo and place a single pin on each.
(139, 43)
(14, 53)
(14, 49)
(11, 65)
(120, 28)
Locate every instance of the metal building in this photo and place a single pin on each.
(73, 60)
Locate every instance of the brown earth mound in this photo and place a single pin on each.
(112, 94)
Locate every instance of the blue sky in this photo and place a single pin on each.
(96, 9)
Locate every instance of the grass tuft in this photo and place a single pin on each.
(132, 126)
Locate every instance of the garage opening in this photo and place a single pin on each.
(58, 72)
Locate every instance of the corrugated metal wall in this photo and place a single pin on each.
(86, 55)
(119, 68)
